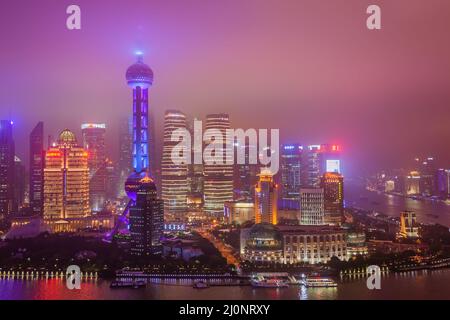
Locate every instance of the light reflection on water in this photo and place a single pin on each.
(357, 196)
(406, 285)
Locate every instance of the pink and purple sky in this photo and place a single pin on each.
(310, 68)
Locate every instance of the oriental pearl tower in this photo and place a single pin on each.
(139, 77)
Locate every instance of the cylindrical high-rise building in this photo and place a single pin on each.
(218, 185)
(174, 176)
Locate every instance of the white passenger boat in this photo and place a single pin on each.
(318, 282)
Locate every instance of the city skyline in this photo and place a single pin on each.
(382, 79)
(292, 150)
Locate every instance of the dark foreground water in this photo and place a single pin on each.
(411, 285)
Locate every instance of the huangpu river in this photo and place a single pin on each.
(427, 211)
(418, 285)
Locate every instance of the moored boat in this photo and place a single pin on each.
(268, 283)
(318, 282)
(201, 285)
(128, 284)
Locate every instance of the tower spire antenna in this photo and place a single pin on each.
(140, 56)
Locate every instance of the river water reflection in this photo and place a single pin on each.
(408, 285)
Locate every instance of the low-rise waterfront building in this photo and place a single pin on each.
(293, 244)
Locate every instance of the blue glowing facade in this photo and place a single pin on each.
(139, 77)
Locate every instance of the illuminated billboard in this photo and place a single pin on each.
(333, 166)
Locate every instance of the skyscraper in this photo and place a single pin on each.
(332, 184)
(174, 176)
(266, 198)
(66, 179)
(316, 160)
(112, 176)
(94, 144)
(146, 220)
(290, 171)
(125, 165)
(310, 167)
(19, 185)
(7, 154)
(330, 158)
(311, 206)
(245, 174)
(218, 186)
(443, 183)
(37, 169)
(427, 171)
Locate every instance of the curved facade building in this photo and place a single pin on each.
(173, 175)
(218, 185)
(263, 242)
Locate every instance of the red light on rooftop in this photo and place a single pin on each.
(335, 147)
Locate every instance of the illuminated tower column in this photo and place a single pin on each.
(140, 77)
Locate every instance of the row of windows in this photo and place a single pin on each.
(333, 248)
(315, 256)
(338, 237)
